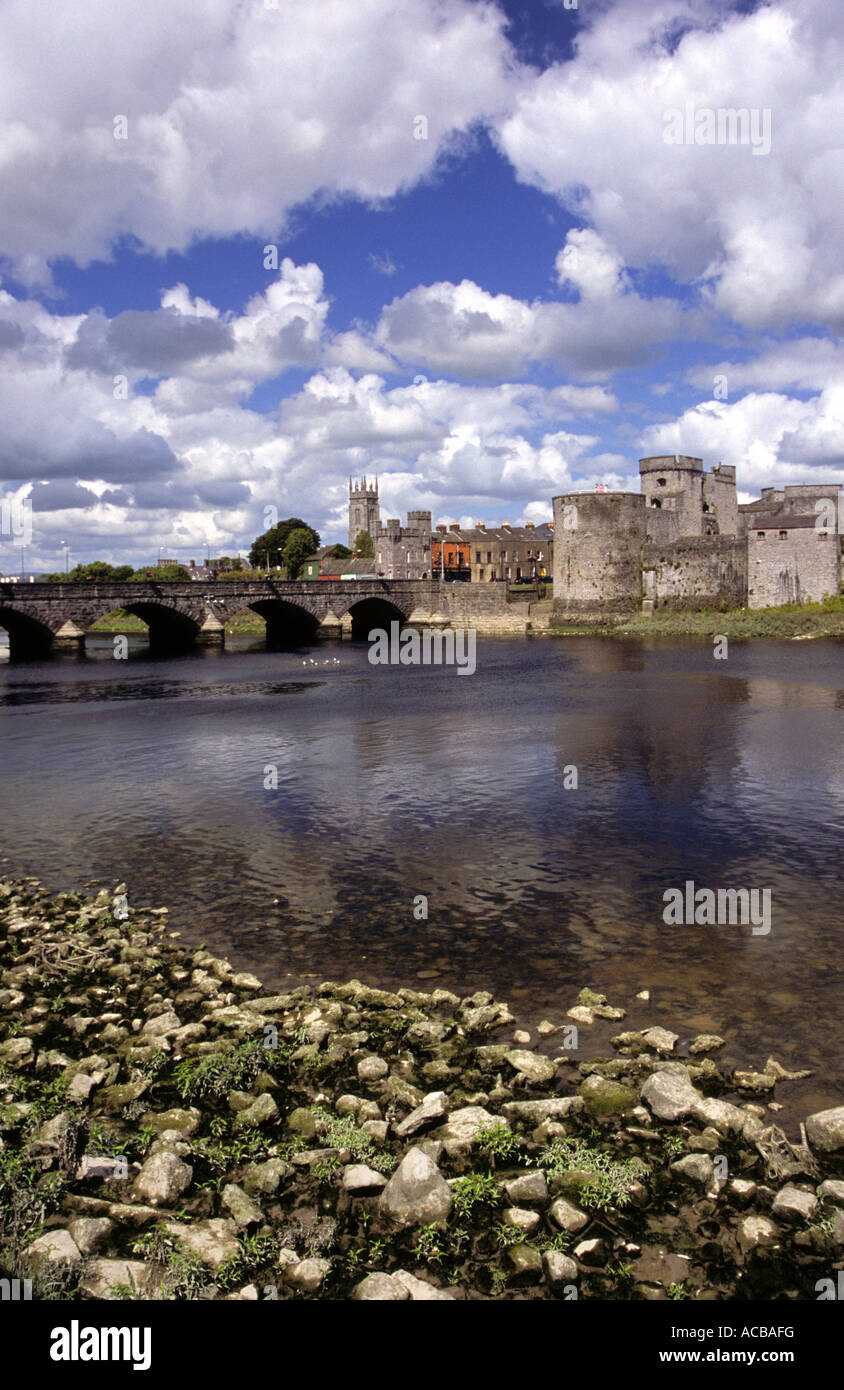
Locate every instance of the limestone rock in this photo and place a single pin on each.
(530, 1189)
(825, 1130)
(380, 1288)
(53, 1248)
(793, 1204)
(359, 1179)
(163, 1178)
(432, 1109)
(417, 1193)
(756, 1231)
(670, 1095)
(560, 1269)
(103, 1277)
(89, 1232)
(244, 1211)
(419, 1291)
(567, 1217)
(214, 1240)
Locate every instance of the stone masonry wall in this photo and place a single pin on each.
(798, 569)
(708, 572)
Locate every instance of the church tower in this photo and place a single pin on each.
(364, 512)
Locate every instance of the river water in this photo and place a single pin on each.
(396, 783)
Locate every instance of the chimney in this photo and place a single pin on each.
(455, 526)
(528, 525)
(480, 526)
(442, 529)
(505, 526)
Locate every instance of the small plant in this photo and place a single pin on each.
(499, 1143)
(474, 1190)
(184, 1272)
(428, 1246)
(610, 1180)
(508, 1235)
(677, 1291)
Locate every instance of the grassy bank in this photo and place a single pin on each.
(244, 624)
(170, 1129)
(795, 620)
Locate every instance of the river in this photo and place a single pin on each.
(294, 815)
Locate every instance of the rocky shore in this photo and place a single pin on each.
(169, 1129)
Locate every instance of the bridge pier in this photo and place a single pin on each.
(212, 633)
(69, 638)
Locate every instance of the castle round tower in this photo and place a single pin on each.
(673, 485)
(598, 540)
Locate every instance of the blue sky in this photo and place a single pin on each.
(542, 288)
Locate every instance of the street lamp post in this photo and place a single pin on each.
(66, 557)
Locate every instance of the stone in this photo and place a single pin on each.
(696, 1168)
(261, 1112)
(417, 1194)
(755, 1232)
(567, 1217)
(53, 1248)
(521, 1037)
(161, 1025)
(377, 1130)
(604, 1097)
(825, 1130)
(372, 1068)
(706, 1042)
(163, 1178)
(245, 1212)
(264, 1179)
(99, 1168)
(309, 1275)
(670, 1095)
(533, 1112)
(757, 1082)
(793, 1204)
(359, 1179)
(89, 1232)
(522, 1220)
(214, 1240)
(742, 1191)
(432, 1110)
(525, 1263)
(560, 1269)
(302, 1122)
(17, 1051)
(546, 1028)
(187, 1122)
(463, 1126)
(581, 1014)
(720, 1114)
(419, 1291)
(380, 1288)
(532, 1065)
(591, 1252)
(113, 1098)
(831, 1190)
(529, 1189)
(660, 1040)
(103, 1278)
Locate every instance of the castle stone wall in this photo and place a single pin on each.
(803, 567)
(698, 572)
(598, 539)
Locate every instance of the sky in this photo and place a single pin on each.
(488, 252)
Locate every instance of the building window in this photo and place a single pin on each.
(655, 502)
(783, 535)
(660, 482)
(760, 535)
(477, 557)
(823, 535)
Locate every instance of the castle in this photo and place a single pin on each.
(401, 552)
(684, 541)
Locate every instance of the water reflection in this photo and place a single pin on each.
(394, 781)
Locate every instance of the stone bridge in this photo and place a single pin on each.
(180, 613)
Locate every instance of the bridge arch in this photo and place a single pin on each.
(288, 624)
(369, 613)
(28, 637)
(169, 628)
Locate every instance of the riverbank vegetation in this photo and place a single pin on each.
(795, 620)
(172, 1129)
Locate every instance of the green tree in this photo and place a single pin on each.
(96, 570)
(267, 549)
(297, 548)
(364, 549)
(341, 552)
